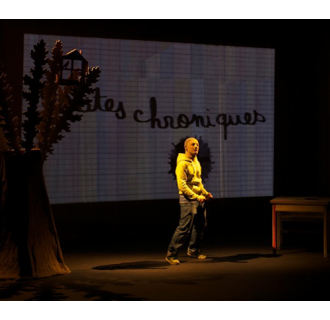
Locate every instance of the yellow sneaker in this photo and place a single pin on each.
(196, 254)
(172, 260)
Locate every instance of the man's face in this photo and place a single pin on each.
(192, 147)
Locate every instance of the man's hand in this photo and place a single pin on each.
(209, 196)
(202, 199)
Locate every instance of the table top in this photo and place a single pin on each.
(301, 200)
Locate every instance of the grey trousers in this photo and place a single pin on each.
(192, 222)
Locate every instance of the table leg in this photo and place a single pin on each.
(274, 231)
(325, 232)
(278, 230)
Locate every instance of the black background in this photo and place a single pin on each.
(302, 131)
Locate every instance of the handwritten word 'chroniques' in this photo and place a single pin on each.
(183, 121)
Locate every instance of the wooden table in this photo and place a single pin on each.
(299, 208)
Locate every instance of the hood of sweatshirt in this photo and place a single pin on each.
(183, 157)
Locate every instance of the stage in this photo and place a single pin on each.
(240, 270)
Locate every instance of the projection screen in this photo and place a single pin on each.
(161, 93)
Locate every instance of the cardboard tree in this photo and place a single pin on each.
(29, 244)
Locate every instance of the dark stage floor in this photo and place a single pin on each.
(237, 271)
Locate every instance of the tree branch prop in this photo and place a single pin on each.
(44, 128)
(50, 103)
(75, 101)
(60, 104)
(32, 96)
(8, 123)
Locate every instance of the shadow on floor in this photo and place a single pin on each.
(239, 258)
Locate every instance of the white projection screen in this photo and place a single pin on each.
(164, 92)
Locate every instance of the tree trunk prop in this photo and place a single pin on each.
(29, 244)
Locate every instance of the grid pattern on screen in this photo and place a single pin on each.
(104, 158)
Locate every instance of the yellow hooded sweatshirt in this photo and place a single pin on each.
(189, 177)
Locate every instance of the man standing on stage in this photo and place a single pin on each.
(192, 204)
